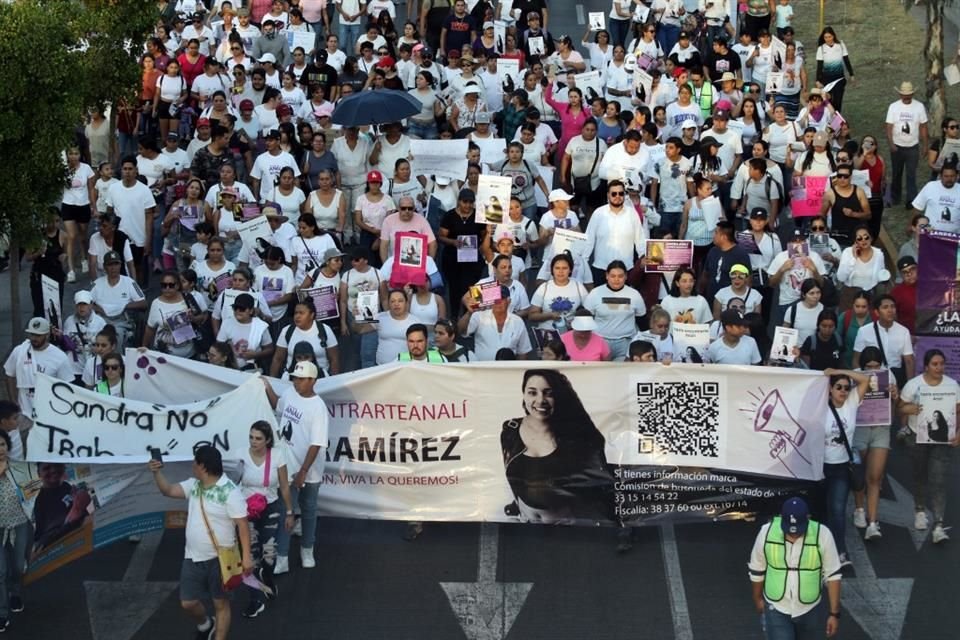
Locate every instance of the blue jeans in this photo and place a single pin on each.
(837, 479)
(348, 35)
(367, 343)
(306, 498)
(618, 31)
(531, 212)
(126, 146)
(422, 131)
(780, 626)
(13, 564)
(667, 36)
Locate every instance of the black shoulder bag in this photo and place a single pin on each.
(858, 473)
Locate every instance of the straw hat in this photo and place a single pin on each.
(905, 89)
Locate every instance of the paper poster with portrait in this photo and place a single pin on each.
(509, 67)
(690, 342)
(368, 306)
(180, 327)
(409, 260)
(485, 294)
(774, 82)
(590, 84)
(52, 311)
(536, 45)
(468, 249)
(324, 301)
(304, 39)
(596, 19)
(642, 83)
(785, 340)
(937, 420)
(668, 255)
(778, 52)
(255, 229)
(876, 408)
(493, 198)
(575, 243)
(499, 37)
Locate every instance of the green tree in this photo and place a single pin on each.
(59, 58)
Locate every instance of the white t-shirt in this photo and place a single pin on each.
(896, 342)
(393, 336)
(222, 503)
(272, 284)
(312, 335)
(803, 319)
(114, 299)
(582, 155)
(752, 298)
(309, 253)
(835, 452)
(208, 277)
(76, 193)
(488, 340)
(793, 279)
(940, 205)
(692, 309)
(84, 334)
(356, 282)
(131, 205)
(745, 352)
(615, 311)
(25, 362)
(303, 424)
(253, 336)
(251, 479)
(906, 120)
(551, 297)
(267, 167)
(160, 311)
(350, 7)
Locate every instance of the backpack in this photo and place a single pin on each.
(321, 332)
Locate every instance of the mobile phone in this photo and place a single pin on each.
(155, 454)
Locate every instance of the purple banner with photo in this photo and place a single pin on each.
(938, 285)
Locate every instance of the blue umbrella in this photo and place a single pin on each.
(375, 107)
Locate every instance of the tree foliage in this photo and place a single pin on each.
(59, 59)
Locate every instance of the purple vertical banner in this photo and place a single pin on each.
(938, 285)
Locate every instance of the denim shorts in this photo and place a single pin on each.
(871, 438)
(201, 581)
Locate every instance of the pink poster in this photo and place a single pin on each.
(409, 259)
(806, 194)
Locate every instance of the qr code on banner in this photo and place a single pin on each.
(679, 418)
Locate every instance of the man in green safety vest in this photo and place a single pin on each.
(417, 346)
(792, 557)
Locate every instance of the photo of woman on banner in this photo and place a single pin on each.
(554, 456)
(60, 508)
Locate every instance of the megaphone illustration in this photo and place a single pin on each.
(774, 417)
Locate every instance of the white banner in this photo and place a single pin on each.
(427, 442)
(73, 424)
(439, 158)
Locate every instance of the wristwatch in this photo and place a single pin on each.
(835, 614)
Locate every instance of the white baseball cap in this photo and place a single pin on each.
(82, 297)
(305, 370)
(38, 327)
(559, 194)
(583, 323)
(268, 57)
(689, 123)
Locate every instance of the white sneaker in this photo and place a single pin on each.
(71, 276)
(873, 531)
(282, 565)
(297, 529)
(860, 518)
(306, 559)
(845, 561)
(920, 522)
(939, 534)
(84, 266)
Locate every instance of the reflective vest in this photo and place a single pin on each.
(809, 569)
(705, 102)
(432, 356)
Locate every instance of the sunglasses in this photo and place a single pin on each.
(741, 276)
(168, 285)
(842, 387)
(407, 208)
(864, 238)
(843, 176)
(954, 126)
(112, 367)
(818, 228)
(236, 48)
(614, 194)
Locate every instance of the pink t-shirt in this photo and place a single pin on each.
(392, 225)
(597, 350)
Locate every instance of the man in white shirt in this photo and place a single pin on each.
(670, 189)
(734, 346)
(133, 202)
(209, 82)
(778, 592)
(615, 232)
(216, 510)
(302, 416)
(248, 32)
(32, 356)
(789, 271)
(895, 343)
(496, 328)
(268, 164)
(175, 156)
(906, 126)
(939, 200)
(203, 33)
(625, 156)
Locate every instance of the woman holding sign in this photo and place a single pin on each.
(930, 401)
(169, 327)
